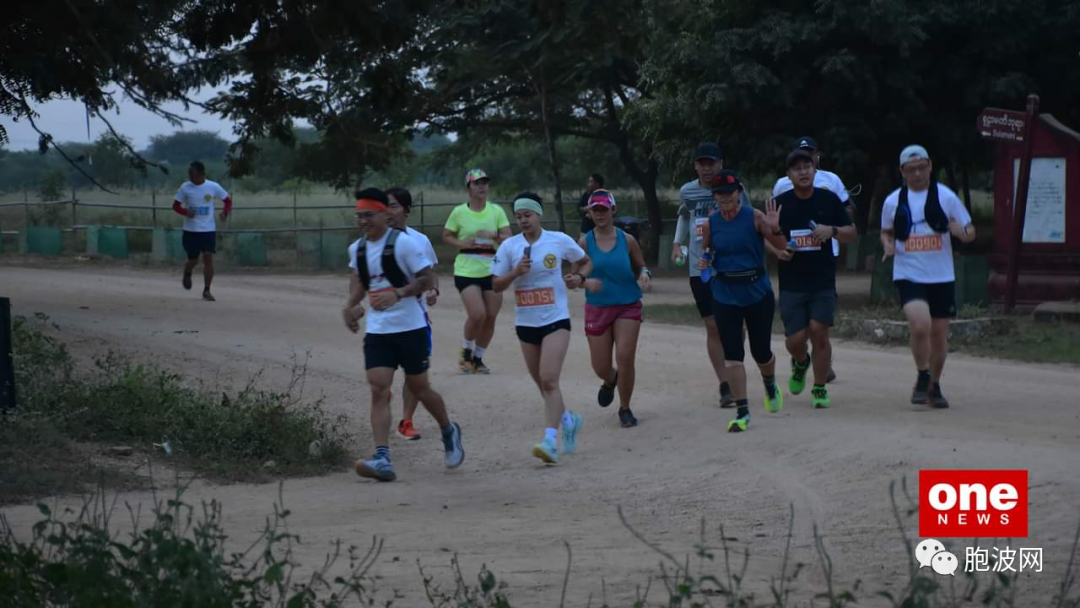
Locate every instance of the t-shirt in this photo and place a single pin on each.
(465, 223)
(926, 257)
(200, 199)
(812, 266)
(696, 205)
(425, 245)
(540, 295)
(822, 179)
(407, 314)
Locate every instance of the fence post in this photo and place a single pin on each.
(422, 225)
(74, 213)
(153, 207)
(295, 232)
(7, 359)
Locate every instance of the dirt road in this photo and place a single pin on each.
(503, 509)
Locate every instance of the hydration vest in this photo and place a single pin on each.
(933, 212)
(390, 268)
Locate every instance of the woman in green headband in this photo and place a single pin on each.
(532, 262)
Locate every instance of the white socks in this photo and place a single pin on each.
(478, 352)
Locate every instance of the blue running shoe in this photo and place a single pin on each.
(376, 468)
(451, 439)
(627, 419)
(569, 434)
(546, 451)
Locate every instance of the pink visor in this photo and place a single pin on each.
(602, 198)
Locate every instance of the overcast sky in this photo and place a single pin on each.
(66, 121)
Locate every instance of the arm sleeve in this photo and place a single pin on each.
(572, 252)
(888, 211)
(228, 203)
(452, 221)
(178, 207)
(501, 264)
(503, 221)
(352, 254)
(840, 214)
(409, 254)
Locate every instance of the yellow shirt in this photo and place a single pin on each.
(465, 223)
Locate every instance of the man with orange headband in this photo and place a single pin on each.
(392, 269)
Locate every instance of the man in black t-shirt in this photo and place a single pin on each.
(596, 181)
(810, 217)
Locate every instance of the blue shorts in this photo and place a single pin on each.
(196, 243)
(430, 342)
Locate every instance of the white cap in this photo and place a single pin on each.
(913, 152)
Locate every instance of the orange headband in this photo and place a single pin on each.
(370, 204)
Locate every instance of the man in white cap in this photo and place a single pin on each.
(916, 222)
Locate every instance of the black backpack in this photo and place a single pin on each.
(935, 215)
(390, 268)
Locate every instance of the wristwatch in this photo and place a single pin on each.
(582, 277)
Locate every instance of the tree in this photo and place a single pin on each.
(182, 147)
(542, 69)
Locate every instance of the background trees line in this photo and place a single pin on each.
(625, 87)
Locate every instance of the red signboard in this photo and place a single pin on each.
(1002, 125)
(973, 503)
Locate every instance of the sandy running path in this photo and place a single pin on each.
(503, 509)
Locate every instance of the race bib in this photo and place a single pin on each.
(923, 243)
(700, 226)
(804, 240)
(541, 296)
(485, 244)
(204, 211)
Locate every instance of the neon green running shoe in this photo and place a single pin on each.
(546, 451)
(797, 382)
(820, 397)
(774, 398)
(739, 424)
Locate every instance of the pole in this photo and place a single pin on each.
(7, 359)
(295, 232)
(153, 207)
(1020, 204)
(74, 213)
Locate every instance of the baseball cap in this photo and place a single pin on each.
(799, 154)
(913, 152)
(708, 150)
(602, 198)
(726, 181)
(806, 143)
(475, 175)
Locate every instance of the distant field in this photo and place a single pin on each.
(431, 207)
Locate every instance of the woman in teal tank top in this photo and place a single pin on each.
(742, 293)
(613, 312)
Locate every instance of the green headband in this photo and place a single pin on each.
(530, 204)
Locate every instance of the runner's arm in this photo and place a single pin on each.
(776, 239)
(178, 207)
(501, 283)
(425, 280)
(504, 233)
(356, 291)
(682, 229)
(637, 258)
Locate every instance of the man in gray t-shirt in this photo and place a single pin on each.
(696, 204)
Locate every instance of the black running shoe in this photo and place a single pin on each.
(936, 398)
(606, 394)
(920, 395)
(626, 418)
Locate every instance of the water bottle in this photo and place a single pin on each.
(706, 273)
(680, 260)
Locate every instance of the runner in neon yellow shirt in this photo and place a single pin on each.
(476, 228)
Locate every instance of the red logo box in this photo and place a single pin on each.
(973, 503)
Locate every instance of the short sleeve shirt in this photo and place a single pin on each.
(421, 238)
(465, 223)
(812, 266)
(407, 314)
(927, 256)
(200, 199)
(540, 296)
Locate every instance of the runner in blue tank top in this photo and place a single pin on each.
(613, 313)
(742, 293)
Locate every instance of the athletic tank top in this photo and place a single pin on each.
(614, 270)
(737, 247)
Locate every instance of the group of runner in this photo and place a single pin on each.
(809, 213)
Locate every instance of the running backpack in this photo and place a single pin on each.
(935, 214)
(390, 268)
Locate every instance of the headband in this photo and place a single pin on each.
(530, 204)
(371, 204)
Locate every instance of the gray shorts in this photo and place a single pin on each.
(798, 308)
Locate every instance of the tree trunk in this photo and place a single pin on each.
(553, 157)
(646, 179)
(964, 171)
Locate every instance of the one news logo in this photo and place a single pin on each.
(973, 504)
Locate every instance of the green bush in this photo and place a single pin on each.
(227, 436)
